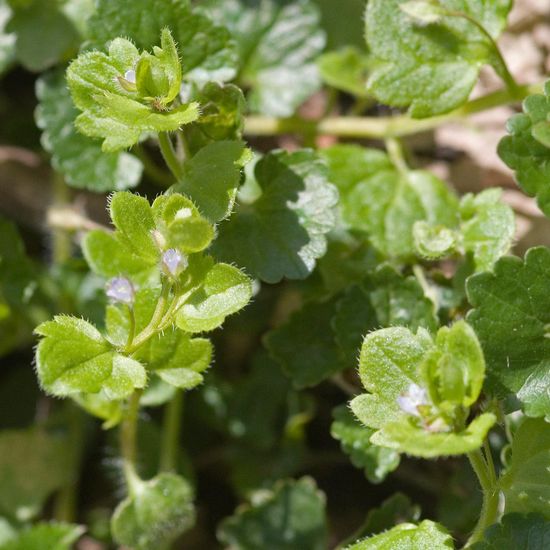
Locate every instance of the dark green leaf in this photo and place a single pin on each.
(283, 232)
(290, 517)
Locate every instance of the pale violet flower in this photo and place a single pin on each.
(130, 76)
(173, 262)
(414, 397)
(121, 290)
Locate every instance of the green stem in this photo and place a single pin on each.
(489, 508)
(382, 127)
(153, 326)
(397, 156)
(169, 155)
(128, 442)
(61, 238)
(171, 432)
(157, 175)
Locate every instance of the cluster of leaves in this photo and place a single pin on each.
(351, 253)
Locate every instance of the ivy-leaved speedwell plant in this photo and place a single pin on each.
(266, 316)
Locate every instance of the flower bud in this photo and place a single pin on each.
(120, 290)
(128, 81)
(414, 397)
(173, 262)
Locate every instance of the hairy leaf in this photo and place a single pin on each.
(278, 43)
(511, 317)
(427, 535)
(78, 157)
(526, 484)
(346, 70)
(282, 233)
(527, 151)
(430, 66)
(73, 357)
(529, 532)
(207, 51)
(290, 517)
(157, 513)
(354, 439)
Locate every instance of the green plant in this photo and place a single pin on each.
(280, 268)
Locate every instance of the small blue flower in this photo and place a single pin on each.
(173, 262)
(120, 290)
(414, 397)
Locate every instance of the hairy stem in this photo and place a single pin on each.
(169, 155)
(128, 442)
(170, 432)
(157, 175)
(484, 470)
(382, 127)
(397, 155)
(61, 238)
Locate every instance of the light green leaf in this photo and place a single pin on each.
(109, 110)
(378, 199)
(96, 404)
(289, 517)
(33, 464)
(511, 318)
(52, 535)
(73, 357)
(529, 532)
(526, 484)
(211, 178)
(354, 439)
(44, 33)
(346, 70)
(418, 390)
(282, 233)
(278, 43)
(427, 535)
(426, 60)
(77, 157)
(207, 51)
(526, 151)
(304, 346)
(225, 291)
(384, 298)
(156, 514)
(434, 242)
(177, 359)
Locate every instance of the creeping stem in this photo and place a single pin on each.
(382, 127)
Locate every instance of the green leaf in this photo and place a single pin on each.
(33, 464)
(304, 346)
(486, 230)
(529, 532)
(526, 484)
(225, 291)
(282, 233)
(211, 178)
(383, 298)
(289, 517)
(44, 33)
(346, 70)
(206, 50)
(430, 62)
(511, 318)
(280, 72)
(222, 116)
(77, 157)
(52, 535)
(156, 514)
(354, 439)
(109, 110)
(525, 152)
(177, 359)
(408, 536)
(378, 199)
(98, 405)
(418, 390)
(73, 357)
(7, 40)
